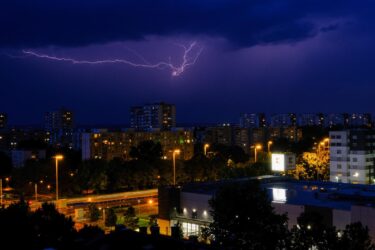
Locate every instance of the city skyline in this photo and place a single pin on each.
(253, 56)
(268, 119)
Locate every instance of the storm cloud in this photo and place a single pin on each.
(244, 23)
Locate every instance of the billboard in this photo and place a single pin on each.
(278, 162)
(279, 195)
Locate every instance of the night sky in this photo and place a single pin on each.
(270, 56)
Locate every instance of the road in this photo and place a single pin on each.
(106, 200)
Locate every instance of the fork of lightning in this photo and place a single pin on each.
(191, 54)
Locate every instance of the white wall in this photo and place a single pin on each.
(199, 202)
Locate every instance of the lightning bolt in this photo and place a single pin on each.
(191, 54)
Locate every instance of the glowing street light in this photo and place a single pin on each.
(57, 159)
(205, 148)
(256, 148)
(176, 151)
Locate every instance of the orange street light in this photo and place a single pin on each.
(256, 148)
(205, 148)
(176, 151)
(57, 159)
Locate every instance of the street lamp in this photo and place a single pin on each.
(1, 191)
(176, 151)
(36, 191)
(256, 148)
(57, 158)
(269, 146)
(205, 148)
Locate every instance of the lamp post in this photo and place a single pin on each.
(176, 151)
(1, 192)
(269, 146)
(205, 148)
(36, 191)
(57, 158)
(256, 148)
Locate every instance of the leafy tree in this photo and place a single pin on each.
(110, 218)
(244, 218)
(153, 222)
(234, 153)
(5, 164)
(130, 219)
(15, 222)
(147, 150)
(312, 233)
(94, 212)
(179, 234)
(356, 236)
(90, 232)
(312, 166)
(92, 174)
(52, 229)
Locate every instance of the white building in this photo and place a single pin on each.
(352, 156)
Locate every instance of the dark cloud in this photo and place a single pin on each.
(242, 22)
(330, 27)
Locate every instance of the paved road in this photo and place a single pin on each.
(107, 200)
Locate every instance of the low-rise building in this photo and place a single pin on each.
(339, 204)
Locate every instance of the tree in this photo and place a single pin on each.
(312, 166)
(355, 236)
(312, 233)
(94, 212)
(52, 229)
(234, 153)
(92, 174)
(15, 222)
(153, 222)
(147, 150)
(110, 218)
(244, 218)
(90, 232)
(130, 219)
(5, 164)
(177, 231)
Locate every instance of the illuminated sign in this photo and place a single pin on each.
(278, 162)
(278, 195)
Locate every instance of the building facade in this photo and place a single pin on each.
(102, 144)
(153, 116)
(59, 126)
(253, 120)
(352, 156)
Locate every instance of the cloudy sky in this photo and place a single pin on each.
(251, 56)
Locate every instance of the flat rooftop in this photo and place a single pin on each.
(313, 193)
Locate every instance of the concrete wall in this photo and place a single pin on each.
(199, 202)
(341, 218)
(365, 215)
(292, 211)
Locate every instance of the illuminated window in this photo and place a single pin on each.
(190, 229)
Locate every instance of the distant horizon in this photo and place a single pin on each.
(118, 124)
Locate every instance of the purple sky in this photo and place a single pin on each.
(258, 56)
